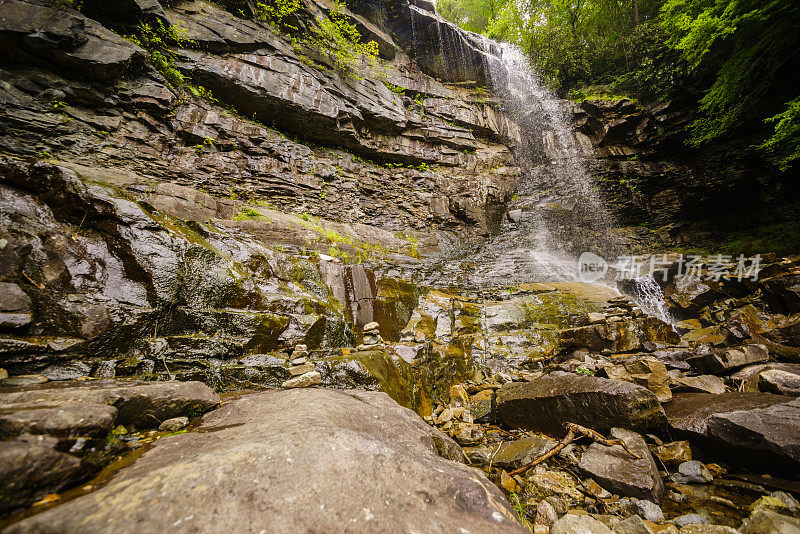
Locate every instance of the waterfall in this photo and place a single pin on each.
(556, 213)
(648, 296)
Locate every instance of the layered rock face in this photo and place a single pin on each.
(664, 192)
(77, 91)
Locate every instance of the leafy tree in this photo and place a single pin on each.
(746, 47)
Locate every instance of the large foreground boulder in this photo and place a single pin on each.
(310, 460)
(547, 403)
(759, 430)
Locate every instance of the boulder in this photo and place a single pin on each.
(516, 453)
(725, 360)
(55, 406)
(620, 336)
(599, 403)
(688, 294)
(652, 374)
(618, 472)
(779, 381)
(758, 430)
(293, 461)
(30, 471)
(700, 384)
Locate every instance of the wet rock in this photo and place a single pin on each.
(478, 455)
(764, 521)
(780, 382)
(729, 359)
(336, 442)
(174, 424)
(673, 453)
(692, 472)
(545, 404)
(622, 336)
(30, 471)
(309, 379)
(753, 429)
(15, 306)
(516, 453)
(617, 471)
(578, 524)
(545, 514)
(674, 358)
(67, 370)
(689, 294)
(553, 484)
(481, 405)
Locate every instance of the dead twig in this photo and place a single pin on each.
(574, 431)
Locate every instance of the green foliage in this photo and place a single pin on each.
(248, 214)
(156, 40)
(277, 12)
(520, 510)
(339, 39)
(744, 47)
(785, 143)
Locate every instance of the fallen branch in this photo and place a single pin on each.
(574, 431)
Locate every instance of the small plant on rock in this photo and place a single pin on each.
(339, 38)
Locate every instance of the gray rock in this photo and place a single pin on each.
(546, 403)
(174, 424)
(312, 378)
(700, 384)
(15, 306)
(516, 453)
(30, 471)
(692, 519)
(618, 472)
(67, 370)
(285, 454)
(579, 524)
(753, 429)
(708, 529)
(764, 521)
(650, 510)
(63, 420)
(692, 472)
(139, 404)
(545, 514)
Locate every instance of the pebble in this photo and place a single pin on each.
(692, 519)
(693, 472)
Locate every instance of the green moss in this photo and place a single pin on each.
(249, 214)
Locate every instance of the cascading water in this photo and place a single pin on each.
(556, 214)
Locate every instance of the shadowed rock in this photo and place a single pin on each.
(754, 429)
